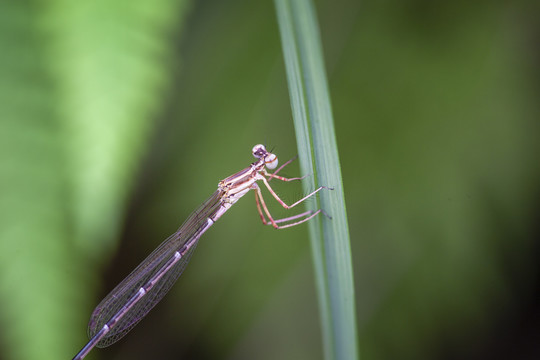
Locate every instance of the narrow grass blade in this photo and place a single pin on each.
(314, 125)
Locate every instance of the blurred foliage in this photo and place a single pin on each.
(118, 118)
(75, 119)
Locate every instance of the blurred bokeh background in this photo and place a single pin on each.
(118, 118)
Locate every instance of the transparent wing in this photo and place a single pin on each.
(111, 308)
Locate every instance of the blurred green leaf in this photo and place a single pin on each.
(112, 63)
(40, 273)
(80, 86)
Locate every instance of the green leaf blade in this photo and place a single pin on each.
(314, 124)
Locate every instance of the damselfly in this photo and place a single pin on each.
(138, 293)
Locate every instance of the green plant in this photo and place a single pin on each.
(310, 101)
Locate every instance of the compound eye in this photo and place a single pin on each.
(259, 151)
(271, 161)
